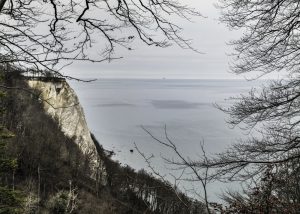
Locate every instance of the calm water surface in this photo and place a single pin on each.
(116, 109)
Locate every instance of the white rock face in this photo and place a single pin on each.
(61, 103)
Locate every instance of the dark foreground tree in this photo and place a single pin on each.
(270, 43)
(271, 157)
(46, 35)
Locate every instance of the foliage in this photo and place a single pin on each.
(10, 200)
(58, 203)
(62, 202)
(276, 192)
(31, 203)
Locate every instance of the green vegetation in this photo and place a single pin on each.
(10, 199)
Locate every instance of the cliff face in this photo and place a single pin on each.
(61, 103)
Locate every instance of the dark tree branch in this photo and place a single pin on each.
(183, 163)
(79, 29)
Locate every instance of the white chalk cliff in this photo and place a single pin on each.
(61, 103)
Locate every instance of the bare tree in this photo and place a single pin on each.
(182, 164)
(270, 40)
(270, 43)
(47, 35)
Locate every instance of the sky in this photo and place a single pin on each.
(209, 37)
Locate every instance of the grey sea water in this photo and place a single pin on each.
(116, 109)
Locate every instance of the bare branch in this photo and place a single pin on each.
(78, 29)
(184, 162)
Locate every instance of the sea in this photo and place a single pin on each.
(124, 113)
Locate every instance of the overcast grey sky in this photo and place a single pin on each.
(209, 36)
